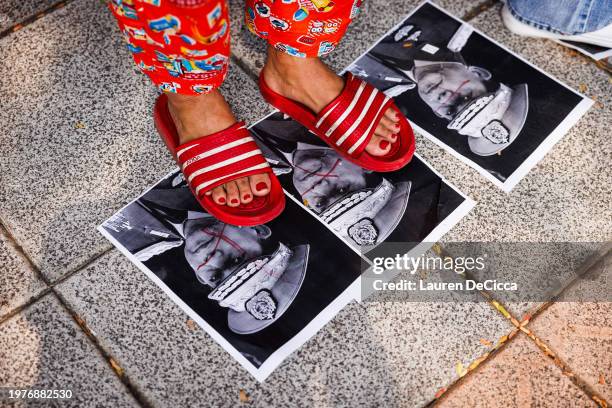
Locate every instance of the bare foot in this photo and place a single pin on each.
(310, 82)
(196, 116)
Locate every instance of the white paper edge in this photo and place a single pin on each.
(545, 146)
(277, 357)
(597, 56)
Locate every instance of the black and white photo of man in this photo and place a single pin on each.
(465, 91)
(252, 275)
(361, 206)
(364, 207)
(243, 280)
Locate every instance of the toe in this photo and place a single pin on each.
(260, 184)
(392, 115)
(244, 190)
(383, 133)
(219, 196)
(233, 194)
(378, 146)
(391, 127)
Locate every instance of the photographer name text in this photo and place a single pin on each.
(420, 285)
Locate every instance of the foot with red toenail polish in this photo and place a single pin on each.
(292, 78)
(195, 116)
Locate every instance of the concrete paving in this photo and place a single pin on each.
(43, 348)
(19, 283)
(13, 12)
(66, 167)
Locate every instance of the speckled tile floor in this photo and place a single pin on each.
(68, 314)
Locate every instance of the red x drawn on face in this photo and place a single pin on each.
(452, 95)
(322, 176)
(220, 236)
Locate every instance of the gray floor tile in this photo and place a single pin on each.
(370, 354)
(578, 328)
(15, 11)
(18, 282)
(376, 17)
(519, 376)
(78, 137)
(42, 348)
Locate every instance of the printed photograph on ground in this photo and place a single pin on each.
(365, 208)
(260, 292)
(470, 95)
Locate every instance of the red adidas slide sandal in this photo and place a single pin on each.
(348, 123)
(214, 160)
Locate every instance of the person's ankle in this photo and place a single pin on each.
(195, 116)
(286, 66)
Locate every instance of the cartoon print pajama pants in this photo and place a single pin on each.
(184, 45)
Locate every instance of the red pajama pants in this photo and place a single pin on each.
(184, 45)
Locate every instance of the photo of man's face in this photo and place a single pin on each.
(213, 249)
(447, 87)
(321, 176)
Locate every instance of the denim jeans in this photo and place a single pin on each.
(568, 17)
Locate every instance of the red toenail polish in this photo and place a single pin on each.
(247, 197)
(261, 186)
(221, 200)
(383, 144)
(234, 201)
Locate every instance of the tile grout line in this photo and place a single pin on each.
(112, 362)
(547, 351)
(583, 269)
(479, 8)
(243, 66)
(139, 396)
(522, 326)
(472, 367)
(84, 265)
(470, 14)
(563, 366)
(18, 309)
(23, 254)
(499, 345)
(49, 287)
(599, 64)
(29, 20)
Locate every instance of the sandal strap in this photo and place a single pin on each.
(213, 160)
(350, 120)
